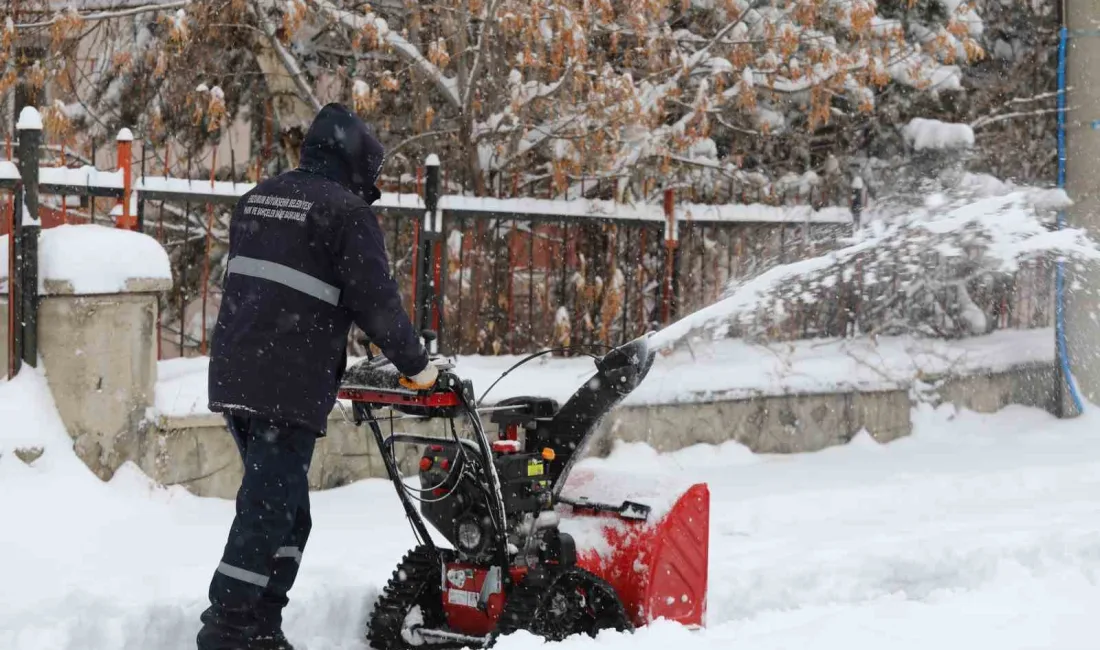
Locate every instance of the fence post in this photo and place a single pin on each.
(857, 202)
(429, 304)
(141, 204)
(26, 233)
(433, 190)
(15, 295)
(672, 244)
(125, 142)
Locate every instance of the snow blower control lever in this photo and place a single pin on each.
(521, 554)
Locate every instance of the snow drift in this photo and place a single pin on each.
(977, 531)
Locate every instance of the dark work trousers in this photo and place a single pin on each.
(249, 589)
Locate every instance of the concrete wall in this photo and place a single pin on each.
(198, 453)
(777, 424)
(1028, 385)
(810, 422)
(99, 356)
(100, 360)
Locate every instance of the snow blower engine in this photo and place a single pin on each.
(531, 544)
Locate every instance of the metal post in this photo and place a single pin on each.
(30, 293)
(440, 279)
(429, 294)
(432, 192)
(141, 207)
(125, 142)
(15, 286)
(857, 202)
(1075, 301)
(26, 231)
(672, 243)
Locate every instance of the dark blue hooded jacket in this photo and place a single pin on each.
(306, 260)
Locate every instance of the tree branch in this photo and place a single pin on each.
(427, 134)
(993, 119)
(446, 85)
(1039, 97)
(481, 52)
(287, 60)
(107, 15)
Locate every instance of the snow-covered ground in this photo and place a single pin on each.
(718, 369)
(979, 531)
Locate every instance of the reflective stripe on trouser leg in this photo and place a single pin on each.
(284, 569)
(243, 575)
(272, 491)
(292, 552)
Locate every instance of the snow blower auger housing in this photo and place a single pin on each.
(529, 547)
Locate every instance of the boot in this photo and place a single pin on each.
(268, 633)
(225, 629)
(269, 640)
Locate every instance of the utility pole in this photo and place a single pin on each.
(1078, 350)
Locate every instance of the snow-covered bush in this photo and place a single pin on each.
(928, 271)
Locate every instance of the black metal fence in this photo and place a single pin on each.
(493, 275)
(498, 275)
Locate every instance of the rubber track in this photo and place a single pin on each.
(529, 597)
(420, 586)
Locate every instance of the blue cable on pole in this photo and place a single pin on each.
(1060, 277)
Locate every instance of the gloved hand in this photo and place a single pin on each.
(423, 380)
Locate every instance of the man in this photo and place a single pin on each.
(306, 260)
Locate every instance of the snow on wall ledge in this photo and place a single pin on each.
(90, 259)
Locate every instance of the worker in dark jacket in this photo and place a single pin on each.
(306, 260)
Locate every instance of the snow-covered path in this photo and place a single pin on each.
(976, 532)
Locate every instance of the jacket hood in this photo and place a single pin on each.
(339, 146)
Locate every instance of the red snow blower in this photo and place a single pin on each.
(530, 548)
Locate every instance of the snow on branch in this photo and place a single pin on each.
(548, 90)
(448, 86)
(921, 268)
(288, 61)
(933, 134)
(105, 15)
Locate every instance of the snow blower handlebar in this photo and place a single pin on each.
(375, 383)
(379, 386)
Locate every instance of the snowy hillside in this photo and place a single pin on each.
(976, 532)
